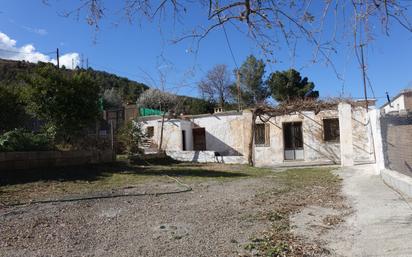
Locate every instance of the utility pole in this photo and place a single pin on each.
(87, 63)
(57, 58)
(238, 89)
(364, 79)
(81, 60)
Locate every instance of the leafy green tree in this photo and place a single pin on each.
(129, 137)
(252, 87)
(289, 85)
(12, 109)
(67, 102)
(193, 105)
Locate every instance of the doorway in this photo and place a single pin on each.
(184, 140)
(293, 141)
(199, 139)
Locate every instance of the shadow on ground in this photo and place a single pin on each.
(96, 172)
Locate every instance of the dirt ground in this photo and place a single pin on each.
(378, 224)
(242, 216)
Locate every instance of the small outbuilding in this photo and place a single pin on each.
(304, 133)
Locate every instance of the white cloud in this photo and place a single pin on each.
(69, 59)
(9, 50)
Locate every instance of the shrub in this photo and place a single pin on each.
(128, 139)
(20, 140)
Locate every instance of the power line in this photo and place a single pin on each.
(228, 44)
(234, 61)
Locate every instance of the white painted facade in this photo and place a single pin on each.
(400, 103)
(228, 134)
(224, 133)
(396, 105)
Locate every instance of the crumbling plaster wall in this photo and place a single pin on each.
(172, 133)
(224, 133)
(229, 135)
(363, 149)
(315, 149)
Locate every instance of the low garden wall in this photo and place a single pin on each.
(205, 157)
(47, 159)
(398, 181)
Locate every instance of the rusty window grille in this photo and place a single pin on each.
(331, 130)
(262, 135)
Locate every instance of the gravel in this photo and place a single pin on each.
(215, 219)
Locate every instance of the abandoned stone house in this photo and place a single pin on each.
(331, 136)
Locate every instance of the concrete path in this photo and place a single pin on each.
(381, 224)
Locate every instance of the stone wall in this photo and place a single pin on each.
(397, 142)
(48, 159)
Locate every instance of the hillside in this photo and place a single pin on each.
(12, 73)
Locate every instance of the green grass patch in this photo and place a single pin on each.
(26, 185)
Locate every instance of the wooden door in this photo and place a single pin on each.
(199, 139)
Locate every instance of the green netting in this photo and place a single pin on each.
(149, 112)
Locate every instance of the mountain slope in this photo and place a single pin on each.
(12, 73)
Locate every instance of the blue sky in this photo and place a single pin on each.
(139, 51)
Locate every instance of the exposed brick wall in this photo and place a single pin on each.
(397, 142)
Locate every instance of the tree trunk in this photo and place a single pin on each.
(251, 138)
(161, 132)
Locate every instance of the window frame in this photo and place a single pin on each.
(327, 132)
(151, 129)
(266, 135)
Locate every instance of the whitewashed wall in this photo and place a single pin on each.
(172, 132)
(228, 134)
(187, 127)
(224, 133)
(315, 149)
(362, 138)
(205, 157)
(397, 104)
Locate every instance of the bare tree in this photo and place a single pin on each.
(269, 22)
(215, 86)
(272, 23)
